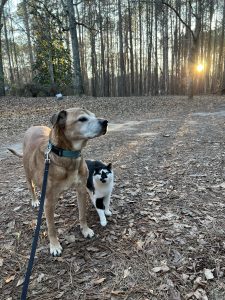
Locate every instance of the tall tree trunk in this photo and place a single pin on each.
(209, 48)
(165, 51)
(149, 16)
(140, 54)
(78, 82)
(108, 59)
(193, 57)
(8, 50)
(27, 26)
(122, 82)
(102, 50)
(2, 83)
(94, 83)
(131, 48)
(15, 53)
(221, 53)
(156, 79)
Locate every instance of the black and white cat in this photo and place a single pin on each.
(99, 187)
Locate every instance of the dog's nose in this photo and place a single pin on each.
(104, 123)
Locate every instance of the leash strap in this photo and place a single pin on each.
(37, 230)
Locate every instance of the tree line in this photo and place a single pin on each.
(112, 47)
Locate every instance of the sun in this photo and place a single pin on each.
(200, 68)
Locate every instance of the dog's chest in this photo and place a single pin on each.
(72, 179)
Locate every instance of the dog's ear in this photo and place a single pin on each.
(109, 167)
(59, 119)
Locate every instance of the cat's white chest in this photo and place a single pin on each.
(102, 190)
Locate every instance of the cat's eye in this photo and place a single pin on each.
(83, 119)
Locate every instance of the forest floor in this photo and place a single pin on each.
(165, 239)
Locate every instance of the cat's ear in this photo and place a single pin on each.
(109, 167)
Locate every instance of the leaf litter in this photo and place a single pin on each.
(165, 239)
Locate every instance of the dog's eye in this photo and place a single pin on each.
(83, 119)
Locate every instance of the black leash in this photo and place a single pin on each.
(37, 229)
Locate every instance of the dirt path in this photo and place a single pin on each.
(165, 239)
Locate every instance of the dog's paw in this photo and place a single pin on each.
(87, 232)
(103, 223)
(108, 213)
(56, 250)
(35, 203)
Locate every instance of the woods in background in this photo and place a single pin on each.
(112, 48)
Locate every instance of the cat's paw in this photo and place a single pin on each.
(108, 213)
(103, 223)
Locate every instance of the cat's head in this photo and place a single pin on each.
(103, 175)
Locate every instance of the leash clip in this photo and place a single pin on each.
(47, 159)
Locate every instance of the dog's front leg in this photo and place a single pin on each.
(55, 247)
(82, 206)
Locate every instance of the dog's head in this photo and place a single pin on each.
(79, 124)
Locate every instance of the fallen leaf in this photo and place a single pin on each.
(1, 262)
(117, 292)
(40, 277)
(199, 282)
(222, 185)
(99, 281)
(10, 278)
(59, 295)
(162, 268)
(126, 273)
(156, 269)
(20, 282)
(200, 294)
(140, 244)
(11, 226)
(17, 208)
(208, 274)
(70, 238)
(93, 249)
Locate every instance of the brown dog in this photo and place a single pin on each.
(72, 128)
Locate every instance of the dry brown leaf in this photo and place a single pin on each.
(117, 292)
(140, 244)
(99, 281)
(10, 278)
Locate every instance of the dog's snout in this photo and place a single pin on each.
(104, 123)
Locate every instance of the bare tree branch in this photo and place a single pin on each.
(179, 17)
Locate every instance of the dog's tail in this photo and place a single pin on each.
(15, 153)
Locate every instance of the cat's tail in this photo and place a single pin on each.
(20, 155)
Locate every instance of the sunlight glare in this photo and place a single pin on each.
(200, 68)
